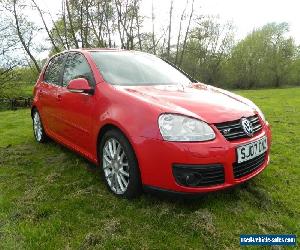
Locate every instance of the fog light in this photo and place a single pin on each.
(198, 175)
(193, 179)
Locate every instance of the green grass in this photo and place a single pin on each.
(51, 198)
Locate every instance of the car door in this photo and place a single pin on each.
(75, 109)
(47, 93)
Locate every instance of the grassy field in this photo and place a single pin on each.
(51, 198)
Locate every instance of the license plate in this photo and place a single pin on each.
(251, 150)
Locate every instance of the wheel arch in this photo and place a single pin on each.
(104, 129)
(32, 109)
(110, 126)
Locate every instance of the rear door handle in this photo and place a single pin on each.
(59, 97)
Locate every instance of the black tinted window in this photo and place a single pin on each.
(53, 71)
(76, 67)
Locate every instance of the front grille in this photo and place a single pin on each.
(198, 175)
(233, 130)
(247, 167)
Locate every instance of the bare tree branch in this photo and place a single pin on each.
(26, 48)
(186, 34)
(179, 32)
(170, 28)
(45, 26)
(71, 24)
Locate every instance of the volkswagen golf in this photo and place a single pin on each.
(147, 124)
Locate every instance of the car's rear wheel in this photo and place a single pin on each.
(119, 165)
(38, 129)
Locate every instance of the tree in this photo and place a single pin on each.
(46, 26)
(263, 58)
(23, 33)
(7, 62)
(203, 46)
(99, 23)
(186, 35)
(169, 30)
(153, 30)
(280, 50)
(179, 32)
(208, 45)
(294, 71)
(12, 56)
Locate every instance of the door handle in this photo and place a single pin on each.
(59, 97)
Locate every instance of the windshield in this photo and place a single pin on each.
(136, 68)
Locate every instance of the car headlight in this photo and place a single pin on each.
(182, 128)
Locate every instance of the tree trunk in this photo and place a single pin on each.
(107, 24)
(26, 48)
(46, 28)
(170, 28)
(179, 32)
(71, 25)
(65, 26)
(153, 30)
(186, 35)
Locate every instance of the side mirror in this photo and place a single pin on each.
(80, 85)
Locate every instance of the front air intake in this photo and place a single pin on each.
(198, 175)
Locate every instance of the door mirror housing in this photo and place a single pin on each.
(80, 85)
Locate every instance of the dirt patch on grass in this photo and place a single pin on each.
(91, 240)
(202, 220)
(59, 158)
(269, 225)
(53, 177)
(16, 156)
(260, 197)
(110, 228)
(30, 213)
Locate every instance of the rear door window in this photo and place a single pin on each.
(54, 70)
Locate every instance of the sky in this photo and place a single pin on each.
(246, 15)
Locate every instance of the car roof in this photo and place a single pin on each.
(97, 49)
(87, 50)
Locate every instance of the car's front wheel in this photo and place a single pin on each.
(38, 129)
(119, 165)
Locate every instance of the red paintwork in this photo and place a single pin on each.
(75, 120)
(79, 84)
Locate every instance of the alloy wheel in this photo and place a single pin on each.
(37, 126)
(115, 166)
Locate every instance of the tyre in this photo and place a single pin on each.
(119, 165)
(38, 129)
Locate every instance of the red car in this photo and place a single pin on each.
(148, 124)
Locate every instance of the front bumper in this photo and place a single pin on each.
(156, 160)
